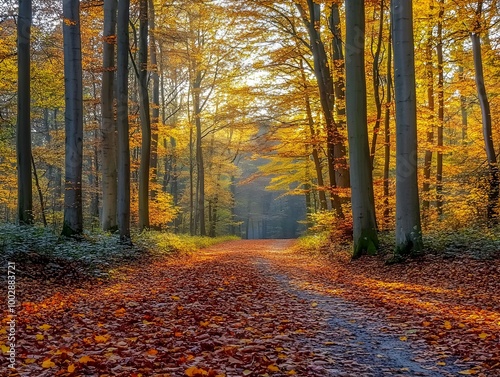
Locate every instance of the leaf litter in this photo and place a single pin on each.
(255, 308)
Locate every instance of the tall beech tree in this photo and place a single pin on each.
(145, 117)
(365, 240)
(408, 227)
(73, 89)
(493, 179)
(23, 134)
(108, 124)
(123, 198)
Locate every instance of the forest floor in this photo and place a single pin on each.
(257, 308)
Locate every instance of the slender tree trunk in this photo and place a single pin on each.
(463, 106)
(365, 240)
(376, 84)
(430, 132)
(341, 168)
(145, 118)
(387, 135)
(73, 206)
(440, 89)
(108, 124)
(155, 111)
(408, 227)
(23, 134)
(40, 194)
(122, 121)
(493, 179)
(315, 143)
(199, 154)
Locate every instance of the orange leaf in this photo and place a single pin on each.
(195, 372)
(85, 359)
(71, 368)
(273, 368)
(152, 352)
(48, 364)
(469, 371)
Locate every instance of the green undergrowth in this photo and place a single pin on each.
(42, 254)
(475, 242)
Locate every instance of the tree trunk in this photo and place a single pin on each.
(376, 85)
(108, 124)
(155, 111)
(73, 208)
(315, 143)
(363, 204)
(23, 134)
(123, 210)
(440, 89)
(430, 132)
(408, 227)
(40, 194)
(387, 135)
(463, 106)
(493, 179)
(199, 154)
(145, 118)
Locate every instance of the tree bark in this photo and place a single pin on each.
(145, 118)
(493, 178)
(440, 90)
(155, 110)
(387, 134)
(23, 134)
(376, 84)
(408, 227)
(365, 240)
(123, 209)
(108, 124)
(430, 132)
(73, 208)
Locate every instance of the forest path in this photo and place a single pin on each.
(242, 308)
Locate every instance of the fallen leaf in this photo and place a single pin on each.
(48, 364)
(85, 359)
(44, 327)
(273, 368)
(469, 371)
(71, 368)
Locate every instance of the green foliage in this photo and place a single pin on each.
(313, 243)
(95, 253)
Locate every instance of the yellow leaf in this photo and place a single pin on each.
(101, 338)
(48, 364)
(441, 363)
(29, 360)
(195, 371)
(447, 325)
(483, 335)
(247, 372)
(403, 338)
(175, 298)
(3, 331)
(292, 372)
(85, 359)
(120, 312)
(426, 324)
(44, 327)
(273, 368)
(314, 304)
(71, 368)
(5, 349)
(39, 337)
(469, 371)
